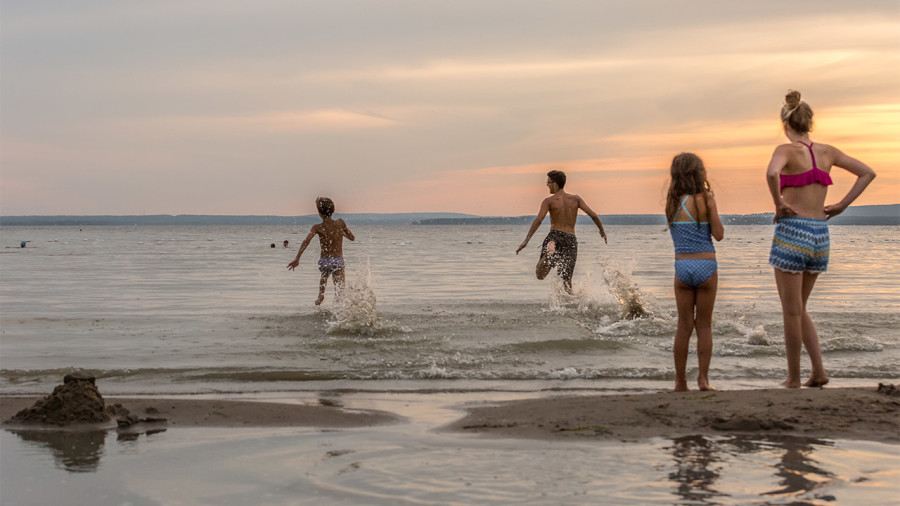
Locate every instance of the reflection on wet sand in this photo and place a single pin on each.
(78, 452)
(700, 461)
(697, 467)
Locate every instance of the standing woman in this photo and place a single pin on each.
(798, 177)
(693, 220)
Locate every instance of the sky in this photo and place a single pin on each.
(257, 108)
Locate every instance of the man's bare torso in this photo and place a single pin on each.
(563, 211)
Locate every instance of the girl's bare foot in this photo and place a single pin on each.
(790, 384)
(816, 382)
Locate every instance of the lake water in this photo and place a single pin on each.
(433, 318)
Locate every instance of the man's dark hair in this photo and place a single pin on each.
(558, 177)
(325, 206)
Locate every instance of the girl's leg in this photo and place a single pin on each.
(706, 299)
(790, 289)
(811, 337)
(322, 281)
(684, 299)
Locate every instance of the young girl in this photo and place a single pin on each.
(798, 177)
(692, 220)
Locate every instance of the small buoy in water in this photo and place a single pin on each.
(22, 244)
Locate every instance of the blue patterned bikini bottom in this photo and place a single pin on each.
(695, 271)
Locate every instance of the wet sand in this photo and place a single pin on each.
(227, 413)
(848, 413)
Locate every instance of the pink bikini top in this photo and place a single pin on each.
(814, 176)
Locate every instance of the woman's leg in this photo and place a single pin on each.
(684, 299)
(706, 299)
(818, 377)
(790, 289)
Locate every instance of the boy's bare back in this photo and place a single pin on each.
(331, 237)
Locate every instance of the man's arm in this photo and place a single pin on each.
(542, 213)
(296, 261)
(596, 219)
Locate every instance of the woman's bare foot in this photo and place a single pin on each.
(816, 382)
(790, 384)
(706, 387)
(681, 386)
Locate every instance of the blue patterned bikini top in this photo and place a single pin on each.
(689, 236)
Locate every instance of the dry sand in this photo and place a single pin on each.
(218, 413)
(846, 413)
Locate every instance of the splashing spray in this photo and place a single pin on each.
(631, 300)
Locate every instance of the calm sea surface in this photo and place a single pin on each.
(433, 318)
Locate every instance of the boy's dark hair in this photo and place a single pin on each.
(558, 177)
(325, 206)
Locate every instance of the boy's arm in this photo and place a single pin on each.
(296, 261)
(542, 213)
(346, 231)
(588, 211)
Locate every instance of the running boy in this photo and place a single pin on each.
(331, 238)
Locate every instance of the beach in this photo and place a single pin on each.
(871, 414)
(851, 413)
(813, 446)
(442, 379)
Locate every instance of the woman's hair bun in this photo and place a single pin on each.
(792, 99)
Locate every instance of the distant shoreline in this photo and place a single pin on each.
(881, 215)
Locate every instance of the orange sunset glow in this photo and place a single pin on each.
(245, 114)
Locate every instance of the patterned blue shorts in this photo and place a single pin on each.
(695, 271)
(800, 244)
(328, 265)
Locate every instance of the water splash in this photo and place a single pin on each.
(354, 307)
(563, 301)
(632, 302)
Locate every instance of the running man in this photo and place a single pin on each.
(560, 247)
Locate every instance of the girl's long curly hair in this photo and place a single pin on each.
(688, 177)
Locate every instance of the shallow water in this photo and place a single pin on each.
(213, 309)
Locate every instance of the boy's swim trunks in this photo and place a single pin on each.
(328, 265)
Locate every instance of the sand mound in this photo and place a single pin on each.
(77, 400)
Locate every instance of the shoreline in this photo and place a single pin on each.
(856, 413)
